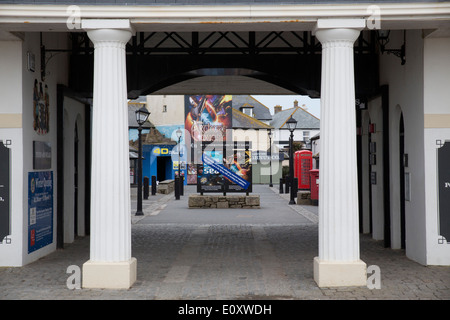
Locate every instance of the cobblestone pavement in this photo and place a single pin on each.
(262, 253)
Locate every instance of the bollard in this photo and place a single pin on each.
(182, 186)
(287, 185)
(177, 188)
(281, 185)
(153, 185)
(146, 188)
(295, 187)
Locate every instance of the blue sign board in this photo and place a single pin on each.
(40, 210)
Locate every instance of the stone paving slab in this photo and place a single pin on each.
(184, 255)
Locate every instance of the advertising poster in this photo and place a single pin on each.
(209, 177)
(240, 165)
(225, 168)
(206, 118)
(40, 210)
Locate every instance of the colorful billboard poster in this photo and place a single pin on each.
(209, 177)
(40, 210)
(207, 118)
(229, 173)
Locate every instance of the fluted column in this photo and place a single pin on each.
(110, 264)
(338, 263)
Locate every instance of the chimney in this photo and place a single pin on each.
(277, 108)
(295, 103)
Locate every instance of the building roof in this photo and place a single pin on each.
(243, 121)
(260, 111)
(305, 120)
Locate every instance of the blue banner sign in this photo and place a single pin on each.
(40, 210)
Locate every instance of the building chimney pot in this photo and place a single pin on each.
(277, 108)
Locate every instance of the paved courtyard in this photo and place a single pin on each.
(213, 254)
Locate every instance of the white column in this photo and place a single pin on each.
(110, 264)
(338, 263)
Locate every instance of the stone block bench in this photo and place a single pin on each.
(166, 186)
(223, 202)
(304, 197)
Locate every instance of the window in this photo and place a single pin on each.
(164, 108)
(248, 111)
(305, 135)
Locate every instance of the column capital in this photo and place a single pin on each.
(327, 30)
(108, 29)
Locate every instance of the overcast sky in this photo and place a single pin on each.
(287, 101)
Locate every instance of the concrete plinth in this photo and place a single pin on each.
(340, 274)
(109, 275)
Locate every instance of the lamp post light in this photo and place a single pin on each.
(291, 125)
(270, 163)
(141, 117)
(179, 133)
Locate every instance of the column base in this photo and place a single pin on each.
(109, 275)
(340, 274)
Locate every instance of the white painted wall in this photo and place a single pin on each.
(10, 81)
(175, 109)
(284, 134)
(436, 103)
(16, 90)
(376, 117)
(56, 72)
(406, 90)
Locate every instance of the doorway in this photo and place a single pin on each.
(75, 185)
(163, 168)
(402, 183)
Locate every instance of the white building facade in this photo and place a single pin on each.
(72, 191)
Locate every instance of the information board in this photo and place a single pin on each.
(40, 210)
(226, 167)
(4, 192)
(443, 155)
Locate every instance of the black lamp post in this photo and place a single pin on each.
(179, 133)
(291, 125)
(270, 163)
(141, 116)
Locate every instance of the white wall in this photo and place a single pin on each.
(284, 134)
(16, 91)
(406, 90)
(376, 117)
(175, 109)
(56, 72)
(437, 127)
(11, 108)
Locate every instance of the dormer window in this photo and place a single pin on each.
(248, 111)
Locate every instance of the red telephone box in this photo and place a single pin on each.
(302, 166)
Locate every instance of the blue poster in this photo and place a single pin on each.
(40, 210)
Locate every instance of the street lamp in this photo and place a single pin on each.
(383, 40)
(141, 117)
(179, 133)
(270, 163)
(291, 125)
